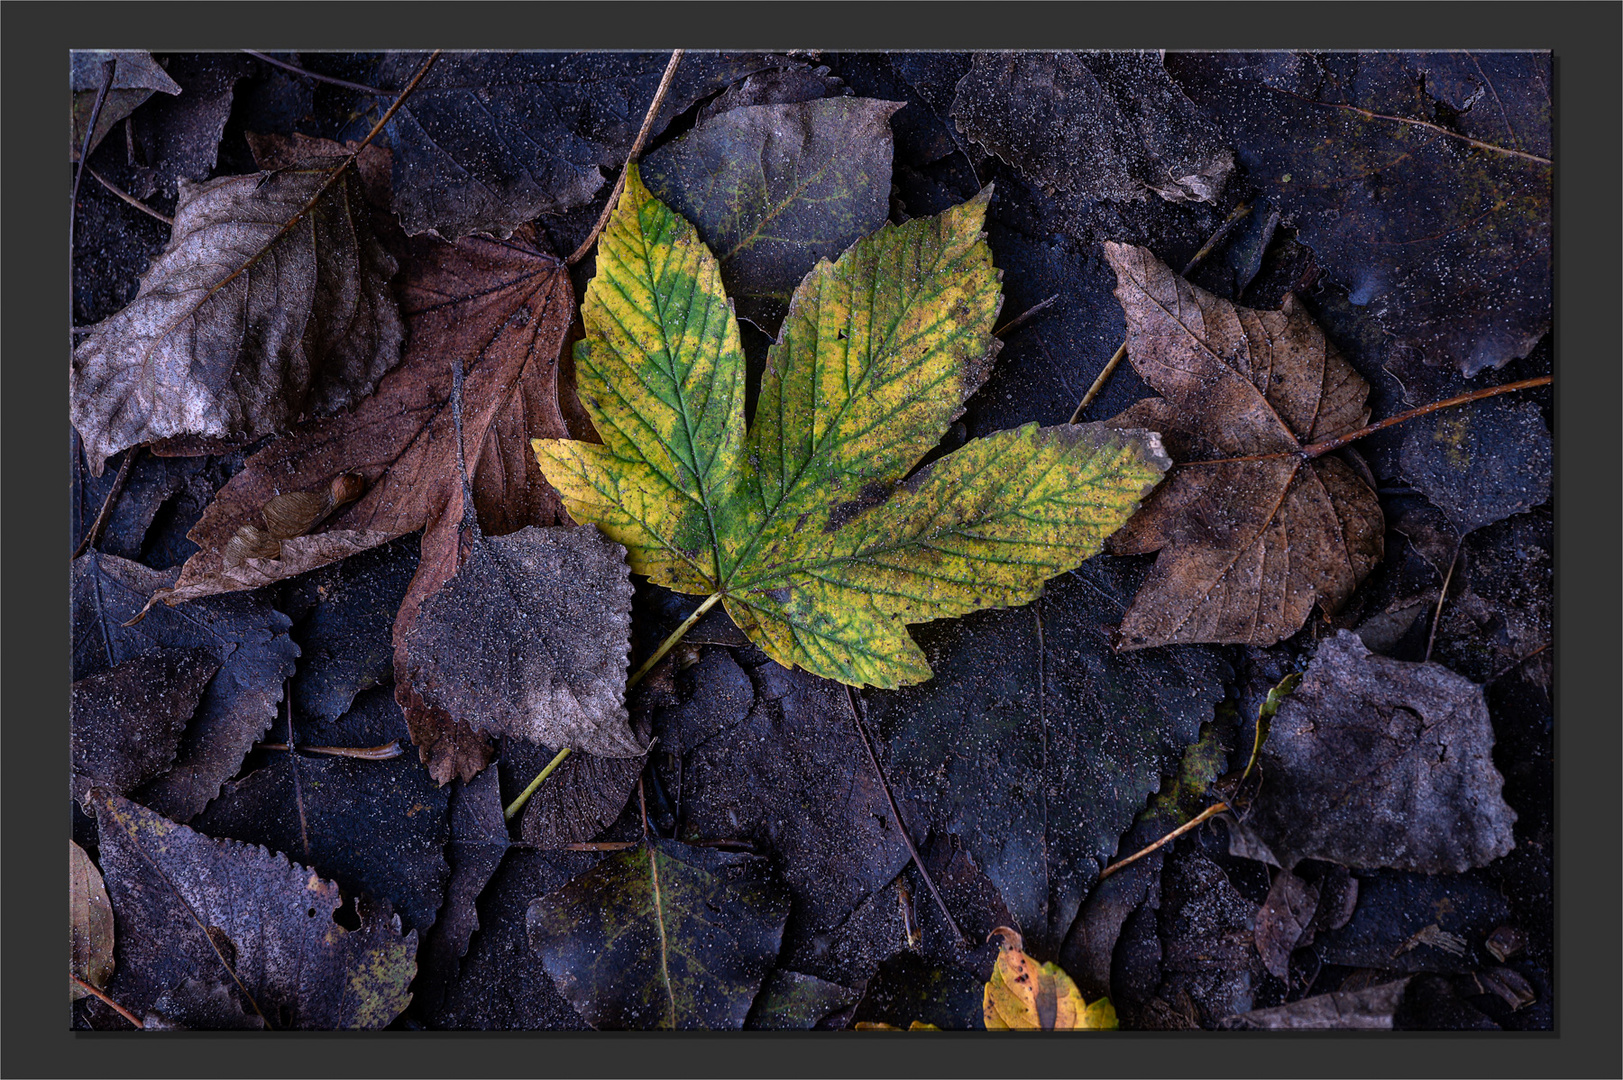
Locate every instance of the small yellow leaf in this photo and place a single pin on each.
(1024, 995)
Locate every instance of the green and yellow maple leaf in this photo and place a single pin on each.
(1023, 995)
(802, 524)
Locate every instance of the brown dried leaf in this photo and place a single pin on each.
(531, 639)
(1247, 546)
(1375, 762)
(1283, 920)
(127, 721)
(90, 923)
(1372, 1007)
(271, 303)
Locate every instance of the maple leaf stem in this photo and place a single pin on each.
(1209, 812)
(670, 641)
(631, 156)
(127, 197)
(524, 796)
(105, 1000)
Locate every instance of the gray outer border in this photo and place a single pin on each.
(1590, 931)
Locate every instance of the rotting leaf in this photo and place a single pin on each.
(581, 798)
(663, 936)
(1482, 463)
(1023, 995)
(772, 189)
(491, 140)
(793, 1000)
(179, 138)
(1247, 546)
(201, 1005)
(478, 842)
(1375, 762)
(1371, 1007)
(800, 524)
(244, 634)
(793, 777)
(504, 308)
(90, 924)
(530, 639)
(136, 77)
(1097, 125)
(127, 720)
(214, 910)
(1038, 743)
(346, 640)
(377, 827)
(1422, 181)
(271, 303)
(910, 990)
(1283, 920)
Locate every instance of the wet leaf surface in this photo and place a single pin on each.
(199, 1005)
(663, 936)
(1037, 743)
(1248, 547)
(478, 841)
(178, 138)
(127, 721)
(374, 827)
(500, 984)
(1481, 463)
(191, 907)
(792, 1000)
(1420, 180)
(774, 188)
(90, 923)
(1375, 762)
(793, 778)
(213, 345)
(1096, 125)
(1209, 958)
(909, 989)
(345, 643)
(489, 141)
(244, 633)
(1412, 922)
(530, 640)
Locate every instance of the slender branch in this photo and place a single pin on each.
(524, 796)
(96, 527)
(127, 197)
(1518, 662)
(1319, 449)
(359, 87)
(1015, 323)
(636, 148)
(1437, 616)
(105, 1000)
(360, 753)
(1209, 812)
(896, 815)
(1235, 217)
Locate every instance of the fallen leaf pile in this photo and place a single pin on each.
(852, 671)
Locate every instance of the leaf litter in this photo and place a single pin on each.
(883, 921)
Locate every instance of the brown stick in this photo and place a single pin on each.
(361, 753)
(636, 148)
(127, 197)
(1235, 217)
(1210, 811)
(1016, 322)
(105, 1000)
(1518, 662)
(106, 511)
(901, 826)
(1437, 616)
(360, 87)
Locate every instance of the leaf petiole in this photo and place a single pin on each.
(637, 676)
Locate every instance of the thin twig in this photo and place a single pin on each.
(636, 148)
(1437, 616)
(1210, 811)
(359, 87)
(293, 767)
(1016, 322)
(360, 753)
(901, 826)
(106, 512)
(131, 199)
(603, 845)
(84, 153)
(1514, 664)
(1223, 230)
(105, 1000)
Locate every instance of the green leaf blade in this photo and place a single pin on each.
(874, 361)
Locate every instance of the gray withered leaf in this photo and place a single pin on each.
(531, 639)
(259, 313)
(1380, 763)
(127, 720)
